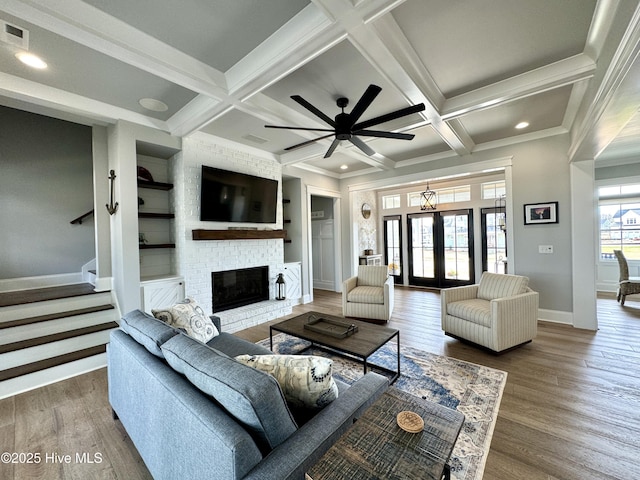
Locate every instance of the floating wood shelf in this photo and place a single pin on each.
(148, 246)
(237, 234)
(155, 185)
(155, 215)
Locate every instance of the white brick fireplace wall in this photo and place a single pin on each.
(197, 259)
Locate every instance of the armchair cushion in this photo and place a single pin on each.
(372, 275)
(366, 294)
(475, 310)
(494, 285)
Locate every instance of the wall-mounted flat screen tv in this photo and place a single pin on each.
(237, 197)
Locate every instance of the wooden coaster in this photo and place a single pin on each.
(410, 422)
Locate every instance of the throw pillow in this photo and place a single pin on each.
(189, 316)
(305, 380)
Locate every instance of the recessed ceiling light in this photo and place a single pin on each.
(522, 125)
(153, 104)
(343, 167)
(32, 60)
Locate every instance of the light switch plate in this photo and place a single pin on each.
(545, 248)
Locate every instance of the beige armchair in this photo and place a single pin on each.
(499, 313)
(369, 294)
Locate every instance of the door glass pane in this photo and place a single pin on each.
(456, 247)
(392, 239)
(496, 243)
(422, 246)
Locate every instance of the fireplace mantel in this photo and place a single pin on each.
(200, 234)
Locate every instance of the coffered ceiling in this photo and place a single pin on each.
(227, 68)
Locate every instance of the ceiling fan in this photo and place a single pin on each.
(346, 125)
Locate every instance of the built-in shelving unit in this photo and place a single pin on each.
(155, 215)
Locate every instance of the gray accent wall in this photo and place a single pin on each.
(46, 181)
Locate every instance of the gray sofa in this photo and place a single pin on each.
(241, 428)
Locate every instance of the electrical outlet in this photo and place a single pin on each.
(545, 248)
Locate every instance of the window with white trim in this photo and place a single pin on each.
(390, 201)
(619, 208)
(493, 189)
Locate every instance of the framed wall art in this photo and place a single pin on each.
(535, 213)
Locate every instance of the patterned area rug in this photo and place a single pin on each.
(472, 389)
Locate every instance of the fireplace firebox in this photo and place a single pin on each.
(236, 288)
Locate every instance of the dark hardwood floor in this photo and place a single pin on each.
(569, 410)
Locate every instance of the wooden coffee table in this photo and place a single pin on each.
(358, 346)
(375, 447)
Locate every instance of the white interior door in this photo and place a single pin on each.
(322, 244)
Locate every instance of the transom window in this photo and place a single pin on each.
(493, 189)
(461, 193)
(390, 201)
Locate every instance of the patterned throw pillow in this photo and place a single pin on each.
(305, 380)
(189, 316)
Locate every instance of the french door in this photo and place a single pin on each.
(494, 241)
(393, 246)
(441, 248)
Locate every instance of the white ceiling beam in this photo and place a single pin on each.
(564, 72)
(48, 97)
(86, 25)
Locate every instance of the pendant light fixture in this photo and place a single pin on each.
(428, 200)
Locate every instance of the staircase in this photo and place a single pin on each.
(49, 334)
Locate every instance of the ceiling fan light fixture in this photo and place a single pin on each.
(344, 167)
(347, 127)
(428, 199)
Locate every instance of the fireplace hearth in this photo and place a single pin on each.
(240, 287)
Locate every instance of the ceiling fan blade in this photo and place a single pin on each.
(301, 128)
(367, 97)
(383, 134)
(362, 146)
(313, 110)
(403, 112)
(332, 148)
(308, 142)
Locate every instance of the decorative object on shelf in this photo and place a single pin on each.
(428, 201)
(535, 213)
(140, 201)
(500, 205)
(111, 207)
(144, 174)
(142, 240)
(281, 287)
(365, 210)
(368, 251)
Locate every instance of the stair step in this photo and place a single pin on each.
(32, 295)
(54, 337)
(51, 362)
(48, 307)
(34, 355)
(54, 316)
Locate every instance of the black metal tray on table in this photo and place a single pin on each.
(329, 326)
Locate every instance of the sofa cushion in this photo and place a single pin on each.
(495, 285)
(305, 380)
(252, 397)
(366, 294)
(233, 346)
(474, 310)
(148, 331)
(372, 275)
(189, 316)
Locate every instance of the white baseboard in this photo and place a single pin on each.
(25, 283)
(555, 316)
(103, 284)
